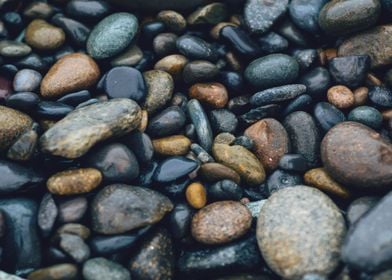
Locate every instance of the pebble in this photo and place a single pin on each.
(281, 179)
(74, 181)
(71, 73)
(213, 94)
(173, 20)
(359, 207)
(360, 251)
(131, 56)
(168, 122)
(196, 195)
(47, 214)
(101, 268)
(293, 162)
(327, 115)
(74, 135)
(242, 161)
(172, 64)
(176, 145)
(239, 40)
(271, 71)
(165, 44)
(120, 208)
(210, 14)
(87, 10)
(277, 94)
(271, 142)
(306, 58)
(213, 172)
(225, 190)
(202, 125)
(112, 35)
(199, 71)
(254, 115)
(368, 43)
(53, 110)
(341, 96)
(196, 48)
(72, 210)
(160, 86)
(75, 98)
(222, 120)
(12, 125)
(180, 220)
(341, 17)
(75, 247)
(55, 272)
(24, 148)
(298, 104)
(381, 96)
(305, 14)
(75, 31)
(38, 10)
(366, 115)
(357, 156)
(174, 168)
(259, 16)
(13, 48)
(125, 82)
(43, 36)
(350, 71)
(76, 229)
(221, 222)
(272, 42)
(27, 80)
(281, 224)
(317, 82)
(145, 150)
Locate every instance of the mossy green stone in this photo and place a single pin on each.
(112, 35)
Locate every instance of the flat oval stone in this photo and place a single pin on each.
(288, 249)
(44, 36)
(305, 14)
(196, 48)
(277, 94)
(101, 268)
(340, 17)
(172, 64)
(13, 48)
(121, 208)
(71, 209)
(76, 31)
(160, 86)
(112, 35)
(213, 94)
(87, 10)
(201, 123)
(144, 150)
(23, 101)
(327, 115)
(71, 73)
(52, 110)
(74, 181)
(366, 115)
(165, 44)
(131, 56)
(58, 271)
(317, 81)
(176, 145)
(47, 214)
(221, 222)
(74, 135)
(174, 168)
(27, 80)
(271, 142)
(350, 71)
(272, 70)
(196, 195)
(75, 98)
(359, 207)
(373, 42)
(168, 122)
(357, 156)
(75, 247)
(242, 161)
(199, 71)
(213, 172)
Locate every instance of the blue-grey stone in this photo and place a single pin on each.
(277, 94)
(202, 124)
(366, 115)
(27, 80)
(304, 13)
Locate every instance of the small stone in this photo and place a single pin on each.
(224, 138)
(223, 120)
(381, 96)
(242, 161)
(272, 42)
(174, 21)
(277, 94)
(317, 82)
(199, 71)
(213, 94)
(121, 208)
(196, 195)
(350, 71)
(27, 80)
(76, 229)
(160, 86)
(47, 214)
(366, 115)
(24, 147)
(174, 168)
(293, 162)
(281, 179)
(129, 57)
(38, 10)
(225, 190)
(23, 101)
(327, 115)
(55, 272)
(305, 14)
(87, 10)
(74, 246)
(75, 31)
(221, 222)
(71, 209)
(172, 64)
(213, 172)
(44, 36)
(176, 145)
(165, 44)
(145, 149)
(340, 96)
(360, 207)
(52, 110)
(360, 96)
(210, 14)
(196, 48)
(168, 122)
(202, 125)
(14, 48)
(101, 268)
(71, 73)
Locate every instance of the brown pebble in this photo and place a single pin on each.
(196, 195)
(44, 36)
(172, 64)
(327, 55)
(372, 80)
(70, 73)
(341, 96)
(174, 21)
(213, 94)
(176, 145)
(387, 114)
(360, 96)
(144, 122)
(221, 222)
(77, 229)
(320, 179)
(46, 124)
(214, 172)
(224, 138)
(74, 181)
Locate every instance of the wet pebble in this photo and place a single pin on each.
(381, 96)
(44, 36)
(341, 96)
(174, 168)
(213, 172)
(71, 210)
(145, 149)
(24, 148)
(317, 81)
(168, 122)
(350, 71)
(366, 115)
(305, 14)
(202, 125)
(27, 80)
(281, 179)
(277, 94)
(327, 115)
(196, 195)
(272, 42)
(196, 48)
(98, 268)
(213, 94)
(199, 71)
(225, 190)
(52, 110)
(160, 87)
(47, 214)
(88, 11)
(293, 162)
(75, 247)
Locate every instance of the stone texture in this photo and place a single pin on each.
(160, 88)
(44, 36)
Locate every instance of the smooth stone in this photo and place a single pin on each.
(180, 220)
(174, 168)
(74, 135)
(214, 172)
(350, 71)
(271, 142)
(43, 36)
(271, 71)
(202, 155)
(202, 125)
(259, 16)
(381, 96)
(165, 44)
(305, 14)
(176, 145)
(14, 49)
(52, 110)
(75, 181)
(32, 61)
(359, 207)
(101, 268)
(266, 111)
(145, 149)
(196, 195)
(115, 161)
(75, 247)
(12, 125)
(306, 58)
(224, 138)
(21, 250)
(199, 71)
(71, 210)
(173, 20)
(368, 43)
(304, 136)
(281, 179)
(225, 190)
(212, 94)
(55, 272)
(112, 35)
(242, 255)
(366, 115)
(341, 17)
(277, 94)
(172, 64)
(131, 56)
(221, 222)
(38, 10)
(160, 86)
(168, 122)
(47, 214)
(76, 31)
(317, 82)
(282, 221)
(75, 98)
(327, 115)
(223, 120)
(232, 80)
(76, 229)
(24, 148)
(293, 34)
(155, 257)
(71, 73)
(367, 246)
(242, 161)
(293, 162)
(357, 156)
(272, 42)
(320, 179)
(240, 41)
(151, 29)
(87, 10)
(120, 208)
(158, 5)
(196, 48)
(341, 96)
(210, 14)
(27, 80)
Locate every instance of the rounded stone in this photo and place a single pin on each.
(24, 147)
(222, 120)
(196, 195)
(27, 80)
(225, 190)
(101, 268)
(289, 250)
(173, 20)
(210, 14)
(13, 48)
(112, 35)
(44, 36)
(305, 14)
(221, 222)
(366, 115)
(131, 56)
(160, 86)
(158, 5)
(172, 64)
(327, 115)
(168, 122)
(340, 96)
(174, 168)
(199, 71)
(277, 94)
(196, 48)
(72, 72)
(176, 145)
(361, 96)
(213, 172)
(58, 271)
(213, 94)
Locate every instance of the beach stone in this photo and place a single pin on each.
(327, 115)
(71, 209)
(101, 268)
(44, 36)
(176, 145)
(242, 161)
(293, 162)
(350, 71)
(168, 122)
(174, 168)
(131, 56)
(14, 49)
(75, 247)
(77, 229)
(341, 96)
(62, 271)
(70, 73)
(145, 149)
(213, 94)
(277, 94)
(282, 221)
(221, 222)
(173, 20)
(210, 14)
(366, 115)
(47, 214)
(24, 148)
(172, 64)
(120, 208)
(213, 172)
(357, 156)
(281, 179)
(196, 48)
(201, 122)
(74, 135)
(305, 14)
(27, 80)
(199, 71)
(160, 86)
(196, 195)
(222, 120)
(381, 96)
(361, 96)
(360, 207)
